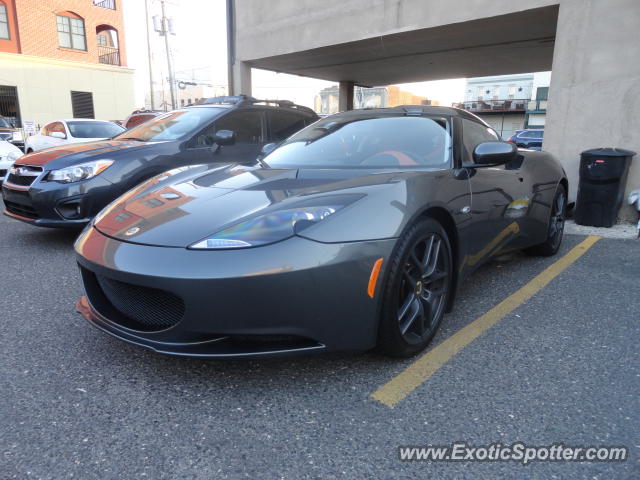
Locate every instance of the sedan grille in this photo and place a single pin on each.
(148, 309)
(23, 175)
(20, 209)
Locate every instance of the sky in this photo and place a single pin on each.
(199, 52)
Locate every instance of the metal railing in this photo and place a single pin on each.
(534, 105)
(108, 55)
(508, 105)
(110, 4)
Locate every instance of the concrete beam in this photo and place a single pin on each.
(516, 42)
(345, 96)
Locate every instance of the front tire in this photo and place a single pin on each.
(417, 290)
(555, 229)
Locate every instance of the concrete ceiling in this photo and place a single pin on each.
(514, 43)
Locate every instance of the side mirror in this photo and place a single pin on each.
(58, 135)
(267, 149)
(224, 137)
(490, 154)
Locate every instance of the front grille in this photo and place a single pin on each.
(23, 175)
(148, 309)
(20, 209)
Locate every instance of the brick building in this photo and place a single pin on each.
(63, 59)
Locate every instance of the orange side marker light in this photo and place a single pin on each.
(375, 271)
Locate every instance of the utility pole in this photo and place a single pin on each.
(146, 13)
(164, 28)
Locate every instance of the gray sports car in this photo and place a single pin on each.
(353, 233)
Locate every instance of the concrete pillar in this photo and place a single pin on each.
(241, 79)
(594, 96)
(345, 96)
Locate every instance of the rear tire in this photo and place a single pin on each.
(417, 290)
(555, 229)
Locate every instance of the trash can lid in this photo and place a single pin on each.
(609, 152)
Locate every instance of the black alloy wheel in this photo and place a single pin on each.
(555, 230)
(417, 290)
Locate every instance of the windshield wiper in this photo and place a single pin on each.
(131, 138)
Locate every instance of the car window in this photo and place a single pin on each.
(55, 127)
(368, 142)
(93, 129)
(175, 125)
(474, 133)
(137, 120)
(246, 124)
(4, 123)
(283, 124)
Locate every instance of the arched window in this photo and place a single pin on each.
(107, 40)
(4, 22)
(71, 33)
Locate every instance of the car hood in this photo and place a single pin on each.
(6, 148)
(185, 205)
(75, 153)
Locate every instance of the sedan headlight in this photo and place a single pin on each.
(76, 173)
(13, 155)
(276, 225)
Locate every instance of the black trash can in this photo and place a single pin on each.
(603, 176)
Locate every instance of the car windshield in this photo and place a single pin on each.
(174, 125)
(94, 129)
(4, 123)
(369, 142)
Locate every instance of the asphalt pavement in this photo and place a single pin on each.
(562, 367)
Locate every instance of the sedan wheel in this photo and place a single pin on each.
(417, 290)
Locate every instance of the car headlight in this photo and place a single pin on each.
(277, 225)
(13, 155)
(76, 173)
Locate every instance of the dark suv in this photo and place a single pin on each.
(68, 185)
(528, 138)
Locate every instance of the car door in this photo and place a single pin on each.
(498, 197)
(249, 127)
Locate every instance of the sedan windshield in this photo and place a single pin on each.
(374, 142)
(174, 125)
(4, 123)
(94, 129)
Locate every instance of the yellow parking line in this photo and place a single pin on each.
(419, 371)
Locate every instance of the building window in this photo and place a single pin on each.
(82, 104)
(153, 202)
(9, 107)
(110, 4)
(4, 23)
(71, 33)
(107, 40)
